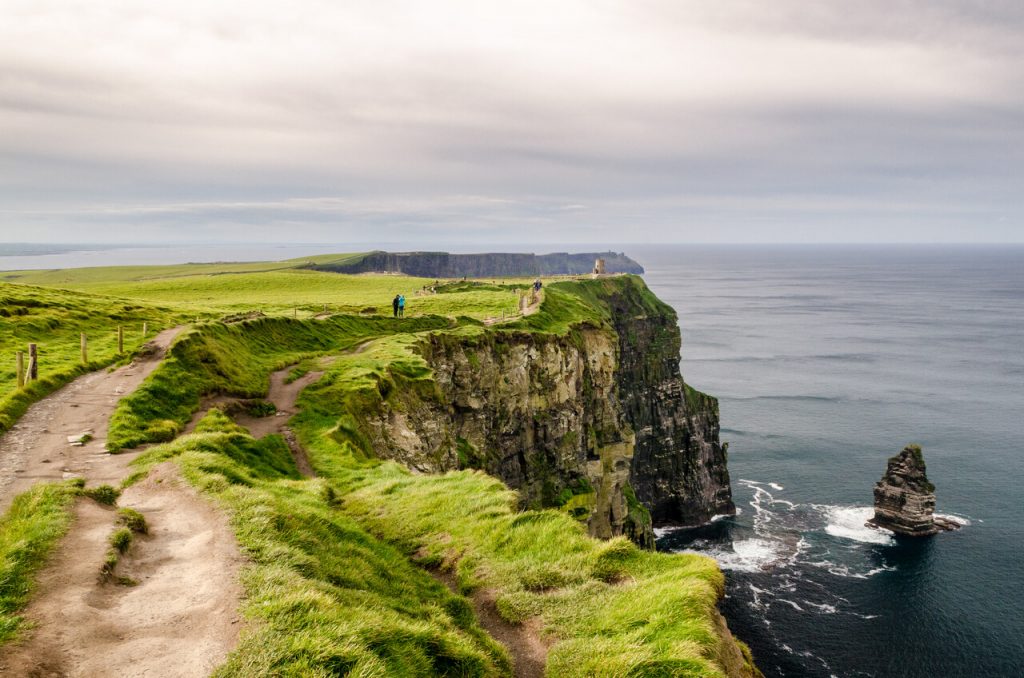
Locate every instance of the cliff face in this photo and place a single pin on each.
(491, 265)
(596, 420)
(679, 467)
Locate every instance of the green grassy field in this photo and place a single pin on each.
(276, 288)
(52, 308)
(73, 277)
(54, 320)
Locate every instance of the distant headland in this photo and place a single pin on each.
(488, 265)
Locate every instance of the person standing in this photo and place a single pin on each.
(394, 305)
(401, 306)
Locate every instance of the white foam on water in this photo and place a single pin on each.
(748, 555)
(825, 608)
(848, 522)
(959, 520)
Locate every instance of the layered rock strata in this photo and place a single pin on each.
(597, 421)
(905, 499)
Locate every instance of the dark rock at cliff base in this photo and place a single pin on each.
(905, 499)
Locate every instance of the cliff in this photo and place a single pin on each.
(490, 265)
(581, 407)
(905, 499)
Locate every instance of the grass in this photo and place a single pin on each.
(54, 320)
(327, 597)
(133, 520)
(237, 360)
(103, 494)
(611, 608)
(119, 541)
(29, 531)
(615, 610)
(337, 582)
(302, 293)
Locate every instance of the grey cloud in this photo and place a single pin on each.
(675, 120)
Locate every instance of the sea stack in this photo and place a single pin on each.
(905, 500)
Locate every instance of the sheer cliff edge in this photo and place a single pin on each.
(580, 406)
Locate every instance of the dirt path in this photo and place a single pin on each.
(36, 448)
(284, 396)
(529, 653)
(180, 619)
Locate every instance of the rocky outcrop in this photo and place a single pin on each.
(490, 265)
(905, 499)
(596, 421)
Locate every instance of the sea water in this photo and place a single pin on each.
(827, 361)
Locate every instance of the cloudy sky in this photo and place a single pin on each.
(535, 121)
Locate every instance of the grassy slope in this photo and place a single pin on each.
(616, 610)
(54, 319)
(613, 609)
(28, 533)
(237, 360)
(328, 598)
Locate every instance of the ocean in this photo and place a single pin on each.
(827, 361)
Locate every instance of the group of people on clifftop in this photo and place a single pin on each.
(398, 306)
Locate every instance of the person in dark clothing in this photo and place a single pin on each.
(394, 305)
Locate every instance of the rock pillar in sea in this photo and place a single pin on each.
(905, 499)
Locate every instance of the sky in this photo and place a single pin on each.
(477, 121)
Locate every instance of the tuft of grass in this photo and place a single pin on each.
(133, 520)
(120, 540)
(103, 494)
(260, 408)
(29, 531)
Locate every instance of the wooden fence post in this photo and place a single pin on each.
(120, 339)
(145, 330)
(21, 369)
(85, 349)
(33, 363)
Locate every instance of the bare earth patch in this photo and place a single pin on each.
(178, 619)
(37, 448)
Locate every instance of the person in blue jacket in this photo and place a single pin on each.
(401, 305)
